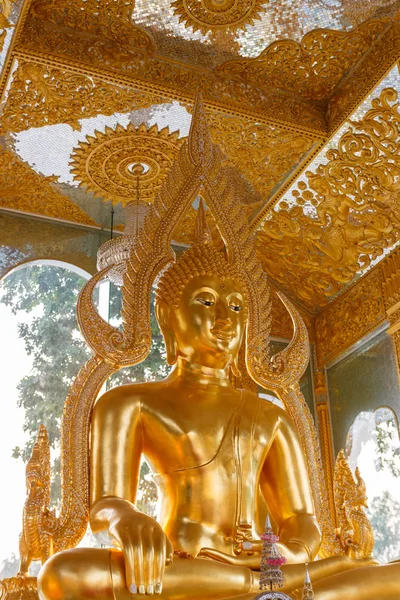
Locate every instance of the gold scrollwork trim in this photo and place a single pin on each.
(44, 95)
(356, 87)
(312, 67)
(172, 77)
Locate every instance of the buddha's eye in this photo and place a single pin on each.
(235, 308)
(205, 302)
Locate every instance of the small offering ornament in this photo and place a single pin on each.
(270, 568)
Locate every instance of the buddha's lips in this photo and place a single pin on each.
(223, 334)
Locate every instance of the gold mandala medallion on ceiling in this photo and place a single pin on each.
(209, 15)
(105, 164)
(347, 213)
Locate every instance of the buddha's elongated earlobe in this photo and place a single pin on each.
(163, 315)
(171, 348)
(235, 367)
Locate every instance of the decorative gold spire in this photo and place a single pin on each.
(308, 592)
(200, 146)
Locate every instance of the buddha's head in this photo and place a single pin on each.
(201, 308)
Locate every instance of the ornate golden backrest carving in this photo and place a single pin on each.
(199, 169)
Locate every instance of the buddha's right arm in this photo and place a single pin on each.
(286, 489)
(116, 448)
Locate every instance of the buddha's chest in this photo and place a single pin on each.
(195, 433)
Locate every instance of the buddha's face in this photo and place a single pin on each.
(208, 324)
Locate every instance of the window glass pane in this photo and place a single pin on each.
(362, 381)
(373, 446)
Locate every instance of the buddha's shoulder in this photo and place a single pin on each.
(267, 409)
(132, 394)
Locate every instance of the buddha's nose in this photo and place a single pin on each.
(222, 312)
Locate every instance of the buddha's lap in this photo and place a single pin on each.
(84, 571)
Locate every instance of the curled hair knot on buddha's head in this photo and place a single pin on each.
(200, 259)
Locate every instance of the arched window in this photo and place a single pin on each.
(373, 445)
(43, 353)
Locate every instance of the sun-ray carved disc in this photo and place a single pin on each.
(105, 163)
(210, 15)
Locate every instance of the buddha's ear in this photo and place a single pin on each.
(163, 314)
(235, 367)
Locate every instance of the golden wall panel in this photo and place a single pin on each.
(349, 318)
(25, 238)
(391, 279)
(42, 95)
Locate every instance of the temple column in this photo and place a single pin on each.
(391, 294)
(325, 435)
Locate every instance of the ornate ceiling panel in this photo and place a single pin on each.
(264, 154)
(312, 67)
(41, 95)
(212, 15)
(343, 215)
(276, 82)
(172, 24)
(9, 13)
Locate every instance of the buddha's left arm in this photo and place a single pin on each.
(286, 488)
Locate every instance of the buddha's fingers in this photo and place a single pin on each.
(148, 564)
(129, 561)
(138, 564)
(159, 565)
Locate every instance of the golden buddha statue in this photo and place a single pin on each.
(223, 459)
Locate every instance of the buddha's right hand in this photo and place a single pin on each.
(145, 547)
